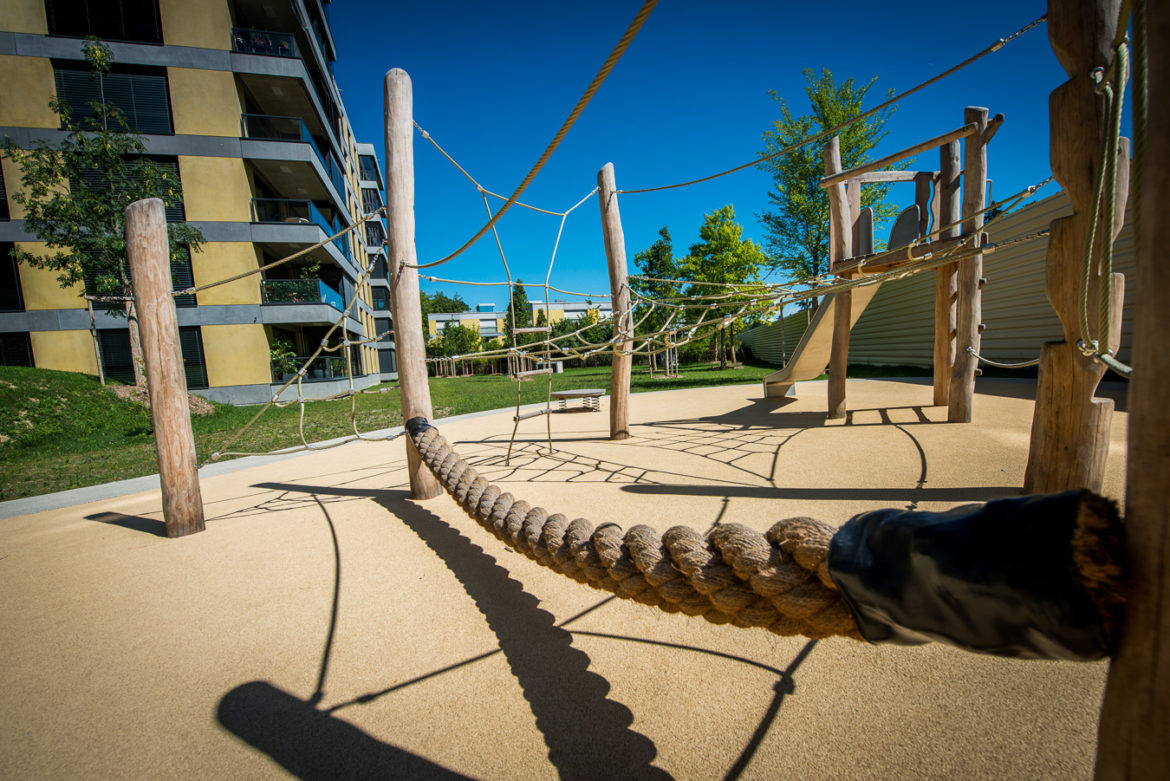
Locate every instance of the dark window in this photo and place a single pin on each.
(95, 180)
(117, 365)
(11, 297)
(3, 198)
(369, 168)
(371, 200)
(386, 361)
(139, 92)
(381, 298)
(181, 279)
(15, 350)
(379, 270)
(195, 367)
(375, 233)
(111, 20)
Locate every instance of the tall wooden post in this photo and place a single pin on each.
(623, 316)
(946, 289)
(148, 252)
(1135, 718)
(840, 248)
(404, 299)
(1070, 428)
(962, 394)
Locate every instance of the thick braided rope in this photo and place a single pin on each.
(734, 575)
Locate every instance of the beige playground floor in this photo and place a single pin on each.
(324, 625)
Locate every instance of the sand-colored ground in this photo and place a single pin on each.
(326, 626)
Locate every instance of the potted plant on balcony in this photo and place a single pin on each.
(284, 359)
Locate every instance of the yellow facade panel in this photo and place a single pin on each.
(23, 16)
(40, 286)
(25, 91)
(206, 24)
(236, 355)
(66, 351)
(204, 102)
(223, 259)
(473, 324)
(215, 189)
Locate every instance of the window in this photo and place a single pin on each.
(111, 20)
(375, 233)
(11, 296)
(182, 278)
(15, 350)
(369, 168)
(371, 200)
(378, 268)
(381, 298)
(117, 364)
(139, 92)
(95, 180)
(4, 215)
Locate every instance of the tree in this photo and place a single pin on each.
(723, 256)
(657, 261)
(797, 224)
(75, 194)
(454, 339)
(519, 315)
(436, 303)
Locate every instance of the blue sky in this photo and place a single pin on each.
(493, 81)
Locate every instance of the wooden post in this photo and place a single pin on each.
(1070, 428)
(946, 289)
(623, 316)
(840, 241)
(962, 393)
(405, 307)
(1135, 718)
(148, 252)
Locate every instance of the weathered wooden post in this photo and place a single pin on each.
(148, 252)
(947, 279)
(840, 249)
(961, 398)
(1070, 428)
(623, 316)
(1135, 717)
(404, 299)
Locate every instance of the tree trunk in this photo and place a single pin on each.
(135, 344)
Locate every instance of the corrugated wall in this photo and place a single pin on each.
(898, 326)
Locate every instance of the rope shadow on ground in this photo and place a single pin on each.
(587, 734)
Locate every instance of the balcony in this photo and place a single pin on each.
(323, 367)
(265, 42)
(300, 291)
(268, 127)
(287, 210)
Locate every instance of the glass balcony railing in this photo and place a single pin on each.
(287, 210)
(300, 291)
(266, 42)
(269, 127)
(323, 367)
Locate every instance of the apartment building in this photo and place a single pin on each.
(238, 98)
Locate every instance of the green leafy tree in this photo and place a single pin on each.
(656, 261)
(723, 256)
(437, 303)
(796, 225)
(76, 190)
(454, 339)
(519, 316)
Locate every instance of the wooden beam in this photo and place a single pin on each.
(840, 249)
(1070, 426)
(1135, 718)
(961, 399)
(623, 315)
(405, 306)
(149, 256)
(880, 177)
(925, 146)
(946, 285)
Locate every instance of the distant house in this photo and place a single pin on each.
(487, 322)
(568, 310)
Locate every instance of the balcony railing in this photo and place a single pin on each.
(323, 367)
(300, 291)
(287, 210)
(267, 42)
(271, 127)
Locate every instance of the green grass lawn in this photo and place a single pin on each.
(60, 430)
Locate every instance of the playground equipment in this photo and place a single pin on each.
(848, 597)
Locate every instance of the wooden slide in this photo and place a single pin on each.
(811, 356)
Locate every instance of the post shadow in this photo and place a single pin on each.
(135, 523)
